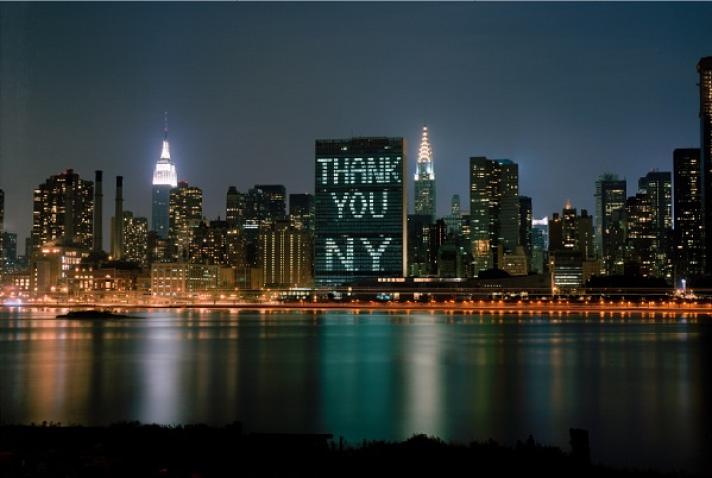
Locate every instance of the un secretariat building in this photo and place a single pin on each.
(360, 206)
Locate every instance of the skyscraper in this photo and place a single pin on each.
(216, 243)
(610, 203)
(689, 247)
(135, 239)
(494, 209)
(569, 228)
(234, 207)
(274, 197)
(425, 178)
(165, 178)
(639, 237)
(525, 224)
(704, 68)
(301, 211)
(360, 208)
(287, 257)
(9, 250)
(454, 219)
(656, 186)
(540, 244)
(185, 214)
(420, 255)
(63, 209)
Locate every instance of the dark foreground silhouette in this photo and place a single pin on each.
(134, 450)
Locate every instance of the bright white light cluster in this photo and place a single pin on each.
(425, 158)
(165, 172)
(346, 258)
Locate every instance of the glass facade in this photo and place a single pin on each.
(159, 210)
(360, 207)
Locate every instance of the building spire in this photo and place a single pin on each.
(166, 151)
(165, 172)
(425, 158)
(165, 125)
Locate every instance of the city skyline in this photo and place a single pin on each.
(45, 135)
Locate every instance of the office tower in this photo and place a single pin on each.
(494, 210)
(287, 257)
(235, 207)
(255, 206)
(639, 237)
(555, 228)
(509, 204)
(165, 178)
(454, 219)
(689, 246)
(98, 239)
(610, 202)
(586, 241)
(425, 178)
(569, 228)
(217, 242)
(117, 222)
(9, 250)
(420, 256)
(185, 211)
(301, 211)
(63, 209)
(540, 244)
(656, 188)
(567, 232)
(704, 68)
(135, 241)
(571, 255)
(525, 224)
(540, 233)
(438, 237)
(360, 209)
(159, 249)
(274, 201)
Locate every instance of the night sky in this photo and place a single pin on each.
(567, 91)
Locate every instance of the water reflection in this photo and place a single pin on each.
(640, 384)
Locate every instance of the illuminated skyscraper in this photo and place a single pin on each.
(525, 224)
(286, 255)
(185, 214)
(494, 210)
(689, 249)
(234, 207)
(425, 178)
(610, 203)
(704, 68)
(135, 241)
(454, 219)
(217, 242)
(165, 178)
(63, 209)
(301, 211)
(656, 186)
(360, 206)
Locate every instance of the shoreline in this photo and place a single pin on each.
(135, 449)
(521, 308)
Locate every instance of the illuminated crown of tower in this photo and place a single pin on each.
(165, 173)
(425, 158)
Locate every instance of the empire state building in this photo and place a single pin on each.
(165, 178)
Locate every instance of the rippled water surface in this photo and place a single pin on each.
(640, 386)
